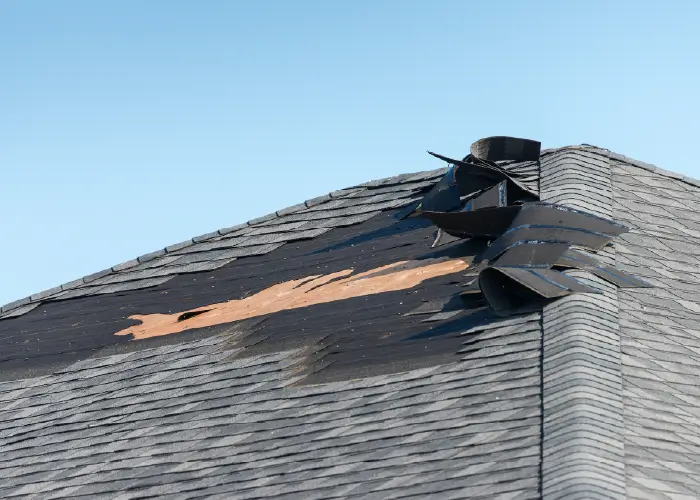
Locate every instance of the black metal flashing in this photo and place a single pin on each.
(552, 234)
(473, 174)
(494, 197)
(485, 223)
(444, 196)
(533, 254)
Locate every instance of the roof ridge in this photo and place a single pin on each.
(637, 163)
(68, 290)
(582, 404)
(376, 187)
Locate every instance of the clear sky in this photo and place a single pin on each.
(126, 126)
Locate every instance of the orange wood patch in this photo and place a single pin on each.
(303, 292)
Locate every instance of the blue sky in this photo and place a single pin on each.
(126, 126)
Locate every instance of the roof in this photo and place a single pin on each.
(385, 392)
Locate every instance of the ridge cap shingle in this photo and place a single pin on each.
(626, 159)
(582, 404)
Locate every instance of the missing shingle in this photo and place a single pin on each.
(191, 314)
(333, 287)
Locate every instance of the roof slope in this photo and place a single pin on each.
(660, 332)
(195, 419)
(377, 395)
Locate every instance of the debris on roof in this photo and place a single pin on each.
(525, 238)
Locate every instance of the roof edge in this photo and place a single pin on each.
(26, 304)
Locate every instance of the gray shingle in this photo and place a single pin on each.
(190, 258)
(179, 246)
(45, 293)
(125, 265)
(73, 284)
(318, 200)
(132, 285)
(83, 291)
(193, 267)
(205, 237)
(233, 229)
(157, 262)
(128, 275)
(19, 311)
(264, 218)
(344, 221)
(150, 256)
(15, 304)
(276, 228)
(291, 210)
(343, 193)
(95, 276)
(266, 239)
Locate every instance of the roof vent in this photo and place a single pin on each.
(529, 240)
(502, 148)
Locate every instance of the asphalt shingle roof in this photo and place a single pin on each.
(660, 332)
(190, 419)
(372, 397)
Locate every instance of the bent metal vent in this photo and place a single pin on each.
(530, 243)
